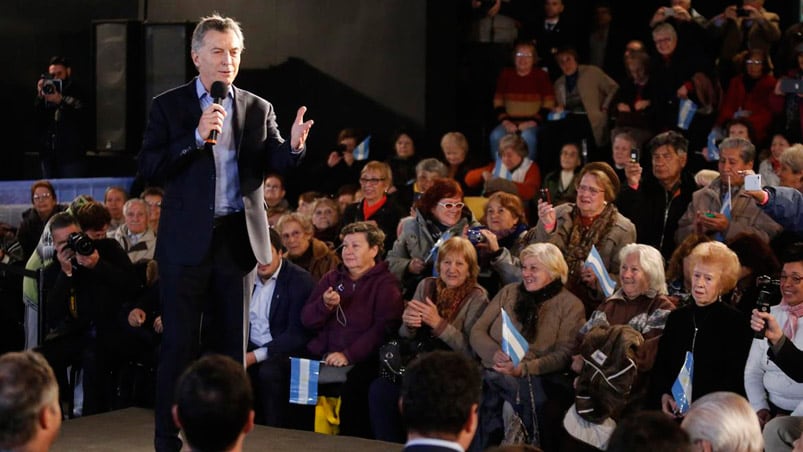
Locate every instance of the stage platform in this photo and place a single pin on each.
(131, 429)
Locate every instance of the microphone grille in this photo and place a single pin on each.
(218, 90)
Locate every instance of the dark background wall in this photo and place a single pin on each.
(379, 65)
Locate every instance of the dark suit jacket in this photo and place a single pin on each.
(170, 158)
(293, 287)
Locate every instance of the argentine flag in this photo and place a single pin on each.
(501, 170)
(513, 343)
(686, 111)
(304, 381)
(727, 204)
(362, 149)
(595, 262)
(681, 389)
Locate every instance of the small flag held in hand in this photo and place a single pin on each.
(513, 343)
(363, 149)
(304, 381)
(681, 389)
(595, 262)
(686, 111)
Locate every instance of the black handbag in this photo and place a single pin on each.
(396, 354)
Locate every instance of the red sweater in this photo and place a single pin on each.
(757, 102)
(523, 97)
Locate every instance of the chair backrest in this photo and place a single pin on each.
(476, 204)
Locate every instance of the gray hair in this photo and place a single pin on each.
(726, 420)
(746, 149)
(793, 158)
(651, 263)
(431, 165)
(667, 28)
(27, 385)
(672, 139)
(218, 23)
(131, 202)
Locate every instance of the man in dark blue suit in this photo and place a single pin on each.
(213, 227)
(439, 399)
(280, 291)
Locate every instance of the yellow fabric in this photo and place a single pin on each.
(327, 415)
(476, 204)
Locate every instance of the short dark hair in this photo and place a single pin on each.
(152, 191)
(61, 61)
(438, 393)
(93, 215)
(373, 235)
(276, 240)
(27, 384)
(61, 220)
(649, 431)
(794, 253)
(214, 401)
(672, 139)
(43, 184)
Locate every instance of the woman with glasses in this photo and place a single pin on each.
(376, 205)
(303, 249)
(592, 220)
(437, 212)
(349, 312)
(548, 316)
(45, 205)
(748, 95)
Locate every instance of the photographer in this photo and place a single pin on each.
(60, 122)
(84, 294)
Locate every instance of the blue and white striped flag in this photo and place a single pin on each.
(501, 170)
(605, 281)
(711, 149)
(362, 149)
(686, 111)
(681, 389)
(304, 381)
(727, 205)
(513, 343)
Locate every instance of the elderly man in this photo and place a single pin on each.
(30, 413)
(655, 202)
(136, 238)
(711, 213)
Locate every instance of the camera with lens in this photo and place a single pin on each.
(769, 294)
(51, 85)
(475, 236)
(81, 243)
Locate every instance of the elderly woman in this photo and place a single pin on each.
(523, 176)
(376, 205)
(716, 334)
(770, 164)
(439, 317)
(426, 171)
(454, 146)
(349, 312)
(499, 245)
(791, 172)
(548, 317)
(770, 390)
(325, 221)
(592, 221)
(437, 211)
(561, 183)
(641, 301)
(303, 249)
(43, 198)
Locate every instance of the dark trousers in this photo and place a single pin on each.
(271, 382)
(208, 294)
(383, 404)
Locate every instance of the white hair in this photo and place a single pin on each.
(726, 421)
(651, 263)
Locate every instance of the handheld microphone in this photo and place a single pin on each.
(218, 92)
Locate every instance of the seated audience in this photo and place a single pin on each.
(706, 214)
(514, 172)
(347, 195)
(135, 236)
(114, 198)
(782, 204)
(791, 172)
(303, 249)
(592, 221)
(349, 312)
(437, 211)
(455, 153)
(280, 290)
(376, 205)
(561, 183)
(786, 103)
(305, 202)
(499, 245)
(622, 147)
(770, 390)
(274, 192)
(214, 404)
(634, 105)
(403, 161)
(756, 259)
(714, 333)
(326, 221)
(548, 316)
(340, 167)
(30, 411)
(45, 205)
(439, 317)
(654, 202)
(426, 171)
(440, 396)
(153, 198)
(770, 166)
(723, 422)
(679, 268)
(648, 431)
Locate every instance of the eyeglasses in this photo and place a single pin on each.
(370, 180)
(524, 55)
(42, 196)
(795, 279)
(154, 203)
(587, 189)
(273, 187)
(754, 62)
(451, 205)
(663, 40)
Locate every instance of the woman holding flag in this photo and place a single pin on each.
(705, 344)
(591, 224)
(545, 318)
